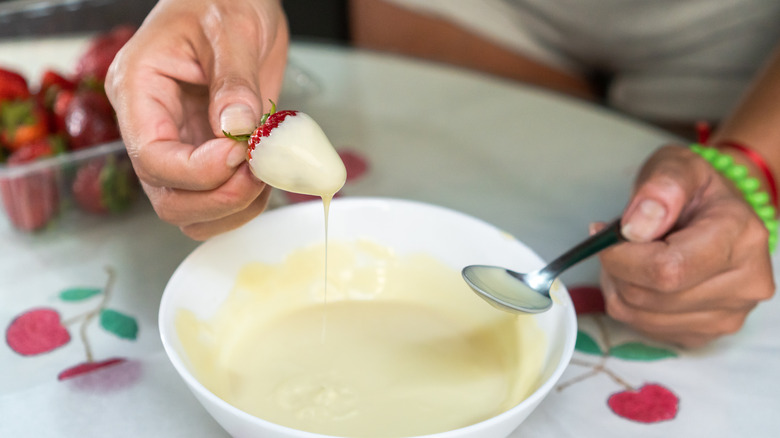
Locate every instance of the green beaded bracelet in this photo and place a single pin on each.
(749, 186)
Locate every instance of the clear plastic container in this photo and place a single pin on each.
(97, 181)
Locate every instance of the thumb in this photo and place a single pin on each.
(234, 104)
(232, 67)
(235, 100)
(667, 183)
(239, 57)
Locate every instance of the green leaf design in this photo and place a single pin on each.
(119, 324)
(641, 352)
(79, 293)
(586, 344)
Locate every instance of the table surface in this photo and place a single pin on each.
(535, 164)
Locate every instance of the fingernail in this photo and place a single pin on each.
(237, 155)
(237, 119)
(643, 224)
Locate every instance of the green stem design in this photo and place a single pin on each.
(89, 316)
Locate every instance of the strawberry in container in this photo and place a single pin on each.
(71, 115)
(105, 184)
(93, 64)
(31, 198)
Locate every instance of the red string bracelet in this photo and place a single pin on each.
(703, 132)
(759, 161)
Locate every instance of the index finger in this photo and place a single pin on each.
(150, 127)
(679, 261)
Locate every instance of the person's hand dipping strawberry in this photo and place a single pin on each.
(191, 71)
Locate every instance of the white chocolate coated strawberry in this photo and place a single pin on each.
(291, 152)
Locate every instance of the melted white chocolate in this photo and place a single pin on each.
(406, 348)
(298, 157)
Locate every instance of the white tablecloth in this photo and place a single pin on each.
(535, 164)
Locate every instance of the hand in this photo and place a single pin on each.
(697, 261)
(192, 70)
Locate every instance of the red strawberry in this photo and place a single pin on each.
(95, 61)
(52, 79)
(270, 122)
(89, 119)
(52, 84)
(105, 185)
(22, 122)
(40, 149)
(32, 198)
(13, 86)
(59, 109)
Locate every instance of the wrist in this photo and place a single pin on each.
(750, 187)
(755, 163)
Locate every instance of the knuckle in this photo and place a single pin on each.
(160, 198)
(166, 215)
(668, 270)
(731, 325)
(617, 309)
(691, 341)
(756, 293)
(228, 201)
(637, 298)
(754, 230)
(766, 293)
(195, 232)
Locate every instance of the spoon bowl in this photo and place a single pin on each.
(530, 293)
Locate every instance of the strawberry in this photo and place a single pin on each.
(51, 85)
(89, 119)
(22, 122)
(290, 151)
(97, 58)
(52, 79)
(105, 185)
(13, 86)
(59, 109)
(31, 199)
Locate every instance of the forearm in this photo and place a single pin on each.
(755, 122)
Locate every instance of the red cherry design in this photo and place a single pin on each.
(87, 367)
(649, 404)
(587, 299)
(354, 162)
(36, 331)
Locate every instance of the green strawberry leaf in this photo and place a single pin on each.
(237, 137)
(641, 352)
(119, 324)
(586, 344)
(79, 293)
(117, 183)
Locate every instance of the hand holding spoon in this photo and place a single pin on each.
(530, 293)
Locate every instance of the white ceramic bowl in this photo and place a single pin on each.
(205, 278)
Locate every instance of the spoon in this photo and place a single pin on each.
(530, 293)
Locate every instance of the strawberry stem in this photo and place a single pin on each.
(268, 114)
(241, 137)
(246, 137)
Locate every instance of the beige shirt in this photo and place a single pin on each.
(667, 60)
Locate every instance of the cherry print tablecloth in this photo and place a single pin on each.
(82, 356)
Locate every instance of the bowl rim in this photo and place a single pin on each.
(199, 390)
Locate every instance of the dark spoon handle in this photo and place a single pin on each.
(592, 245)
